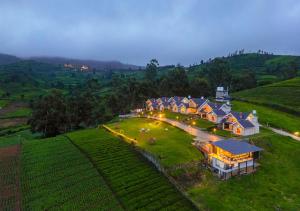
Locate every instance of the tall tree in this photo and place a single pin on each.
(49, 115)
(218, 73)
(151, 70)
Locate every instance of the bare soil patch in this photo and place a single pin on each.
(10, 195)
(12, 107)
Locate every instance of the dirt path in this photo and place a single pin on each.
(10, 195)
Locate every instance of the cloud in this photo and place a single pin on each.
(132, 31)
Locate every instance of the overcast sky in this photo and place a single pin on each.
(134, 31)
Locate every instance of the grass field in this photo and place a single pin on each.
(57, 176)
(19, 112)
(195, 120)
(273, 187)
(270, 116)
(284, 94)
(172, 146)
(134, 181)
(3, 103)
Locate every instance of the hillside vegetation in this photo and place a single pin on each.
(136, 183)
(284, 95)
(273, 187)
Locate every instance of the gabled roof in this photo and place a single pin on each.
(240, 115)
(184, 104)
(164, 99)
(199, 101)
(218, 112)
(214, 105)
(164, 103)
(152, 100)
(236, 147)
(245, 123)
(154, 104)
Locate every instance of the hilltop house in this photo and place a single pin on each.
(231, 157)
(163, 106)
(213, 112)
(152, 106)
(175, 106)
(222, 95)
(162, 100)
(183, 108)
(178, 99)
(195, 103)
(241, 123)
(150, 101)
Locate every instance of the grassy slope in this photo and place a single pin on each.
(285, 94)
(273, 117)
(274, 186)
(136, 183)
(172, 146)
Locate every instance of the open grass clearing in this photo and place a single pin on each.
(172, 145)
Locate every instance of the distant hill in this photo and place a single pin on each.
(99, 65)
(284, 95)
(267, 67)
(8, 59)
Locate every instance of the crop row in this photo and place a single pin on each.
(57, 176)
(136, 183)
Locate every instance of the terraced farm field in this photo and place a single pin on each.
(10, 178)
(56, 175)
(134, 181)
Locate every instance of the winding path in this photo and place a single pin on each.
(284, 133)
(199, 134)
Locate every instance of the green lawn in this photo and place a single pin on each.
(136, 183)
(273, 117)
(173, 146)
(275, 186)
(187, 118)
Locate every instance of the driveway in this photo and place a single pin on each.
(200, 135)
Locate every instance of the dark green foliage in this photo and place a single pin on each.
(151, 70)
(199, 87)
(135, 182)
(218, 73)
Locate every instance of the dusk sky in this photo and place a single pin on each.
(134, 31)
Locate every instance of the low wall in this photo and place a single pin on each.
(153, 160)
